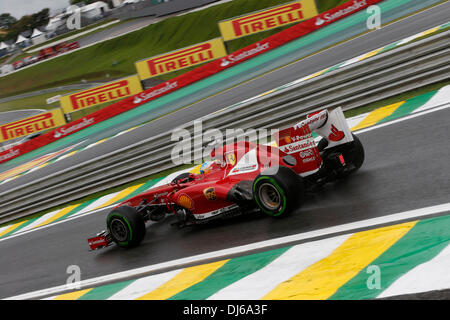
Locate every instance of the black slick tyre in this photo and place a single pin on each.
(278, 191)
(126, 226)
(353, 153)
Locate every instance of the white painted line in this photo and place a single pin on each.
(326, 232)
(353, 121)
(89, 209)
(296, 259)
(38, 221)
(440, 98)
(92, 206)
(203, 7)
(428, 276)
(72, 37)
(4, 228)
(411, 116)
(21, 232)
(355, 59)
(143, 286)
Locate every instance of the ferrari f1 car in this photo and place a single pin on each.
(244, 177)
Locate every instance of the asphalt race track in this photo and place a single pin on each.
(406, 168)
(327, 58)
(117, 30)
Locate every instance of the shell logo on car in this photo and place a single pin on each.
(185, 201)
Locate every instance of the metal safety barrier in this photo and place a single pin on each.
(385, 75)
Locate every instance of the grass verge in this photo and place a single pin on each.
(100, 194)
(350, 113)
(394, 99)
(117, 56)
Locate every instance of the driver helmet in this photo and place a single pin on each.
(208, 165)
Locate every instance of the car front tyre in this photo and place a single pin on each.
(126, 226)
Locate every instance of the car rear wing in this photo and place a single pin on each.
(298, 141)
(330, 125)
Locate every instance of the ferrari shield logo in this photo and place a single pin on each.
(210, 193)
(231, 159)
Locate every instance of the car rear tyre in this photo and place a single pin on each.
(353, 153)
(126, 226)
(278, 191)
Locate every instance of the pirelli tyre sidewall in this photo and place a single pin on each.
(126, 226)
(278, 191)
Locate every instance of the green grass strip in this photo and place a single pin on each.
(335, 67)
(217, 79)
(76, 209)
(230, 272)
(409, 106)
(23, 225)
(104, 292)
(422, 243)
(389, 47)
(141, 189)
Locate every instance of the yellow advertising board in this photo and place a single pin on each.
(27, 126)
(111, 91)
(267, 19)
(181, 58)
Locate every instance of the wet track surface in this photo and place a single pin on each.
(373, 40)
(406, 168)
(117, 30)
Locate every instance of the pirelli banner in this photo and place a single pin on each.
(111, 91)
(31, 125)
(267, 19)
(181, 58)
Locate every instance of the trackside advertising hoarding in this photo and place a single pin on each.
(181, 58)
(267, 19)
(119, 89)
(31, 125)
(202, 72)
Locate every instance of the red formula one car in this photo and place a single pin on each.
(244, 177)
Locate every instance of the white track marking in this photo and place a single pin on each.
(441, 97)
(38, 221)
(258, 284)
(411, 116)
(197, 259)
(97, 203)
(353, 121)
(167, 179)
(431, 275)
(143, 286)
